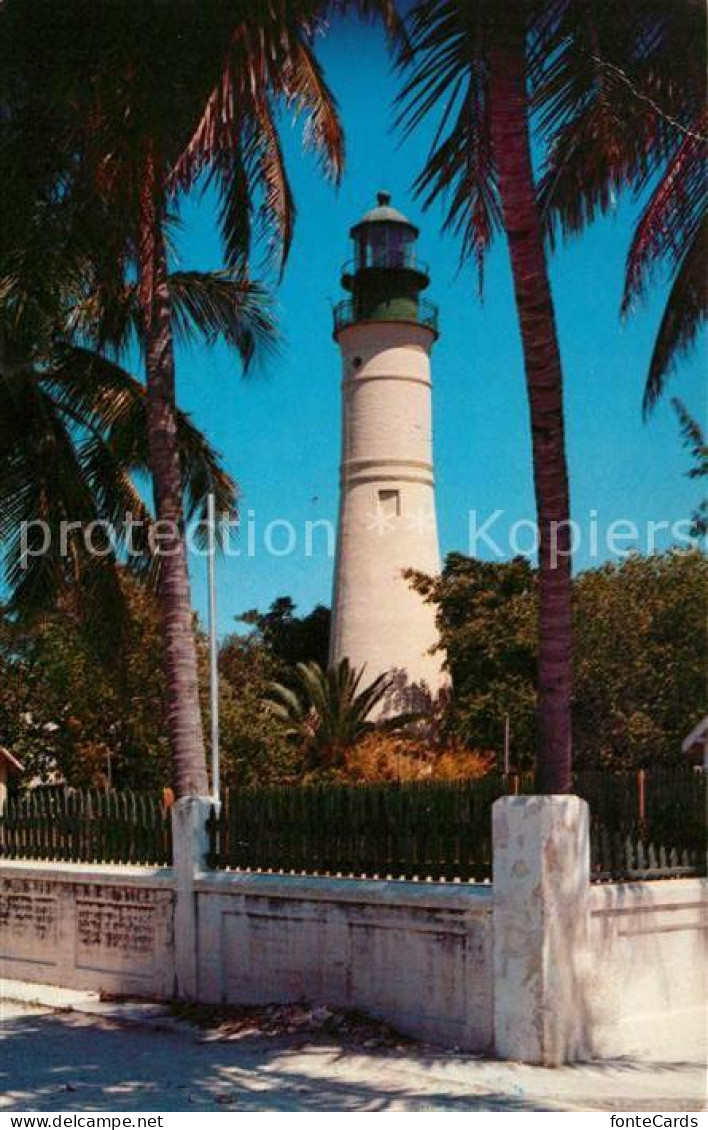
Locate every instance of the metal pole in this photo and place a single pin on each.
(506, 745)
(213, 648)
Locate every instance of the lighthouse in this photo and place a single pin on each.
(385, 332)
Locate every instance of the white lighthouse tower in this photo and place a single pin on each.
(387, 523)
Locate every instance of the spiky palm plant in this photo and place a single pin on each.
(330, 710)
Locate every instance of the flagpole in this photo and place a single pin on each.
(507, 734)
(213, 648)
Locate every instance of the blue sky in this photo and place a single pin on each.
(278, 431)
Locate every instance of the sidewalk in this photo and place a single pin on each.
(70, 1051)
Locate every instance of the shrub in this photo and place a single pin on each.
(381, 756)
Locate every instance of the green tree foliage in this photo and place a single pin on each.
(639, 655)
(68, 716)
(289, 638)
(640, 658)
(254, 747)
(487, 620)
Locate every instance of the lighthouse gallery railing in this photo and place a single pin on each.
(345, 314)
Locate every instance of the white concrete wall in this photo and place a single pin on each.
(377, 619)
(648, 989)
(88, 927)
(538, 967)
(418, 955)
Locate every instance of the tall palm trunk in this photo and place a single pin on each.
(544, 380)
(184, 720)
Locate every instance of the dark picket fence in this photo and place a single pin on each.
(644, 825)
(435, 830)
(87, 826)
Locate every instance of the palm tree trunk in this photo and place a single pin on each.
(544, 380)
(184, 720)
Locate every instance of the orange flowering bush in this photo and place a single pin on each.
(381, 756)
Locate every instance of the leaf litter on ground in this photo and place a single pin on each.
(314, 1021)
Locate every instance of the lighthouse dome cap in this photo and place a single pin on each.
(383, 213)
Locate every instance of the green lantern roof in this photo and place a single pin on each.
(383, 213)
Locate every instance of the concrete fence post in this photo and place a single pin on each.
(541, 889)
(190, 845)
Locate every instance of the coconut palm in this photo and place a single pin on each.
(470, 63)
(73, 443)
(73, 426)
(145, 102)
(622, 101)
(329, 711)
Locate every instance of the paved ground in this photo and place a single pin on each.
(117, 1057)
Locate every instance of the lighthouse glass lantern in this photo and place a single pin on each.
(385, 277)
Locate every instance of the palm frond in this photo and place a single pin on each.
(684, 314)
(268, 59)
(72, 439)
(304, 88)
(277, 211)
(447, 77)
(671, 219)
(695, 440)
(53, 533)
(387, 11)
(93, 388)
(217, 305)
(609, 101)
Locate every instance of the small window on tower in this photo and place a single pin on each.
(390, 502)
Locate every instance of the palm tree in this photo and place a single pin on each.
(630, 112)
(149, 101)
(73, 441)
(474, 59)
(330, 710)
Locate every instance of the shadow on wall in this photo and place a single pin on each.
(406, 697)
(647, 987)
(585, 971)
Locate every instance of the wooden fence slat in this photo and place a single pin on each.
(429, 829)
(442, 829)
(86, 826)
